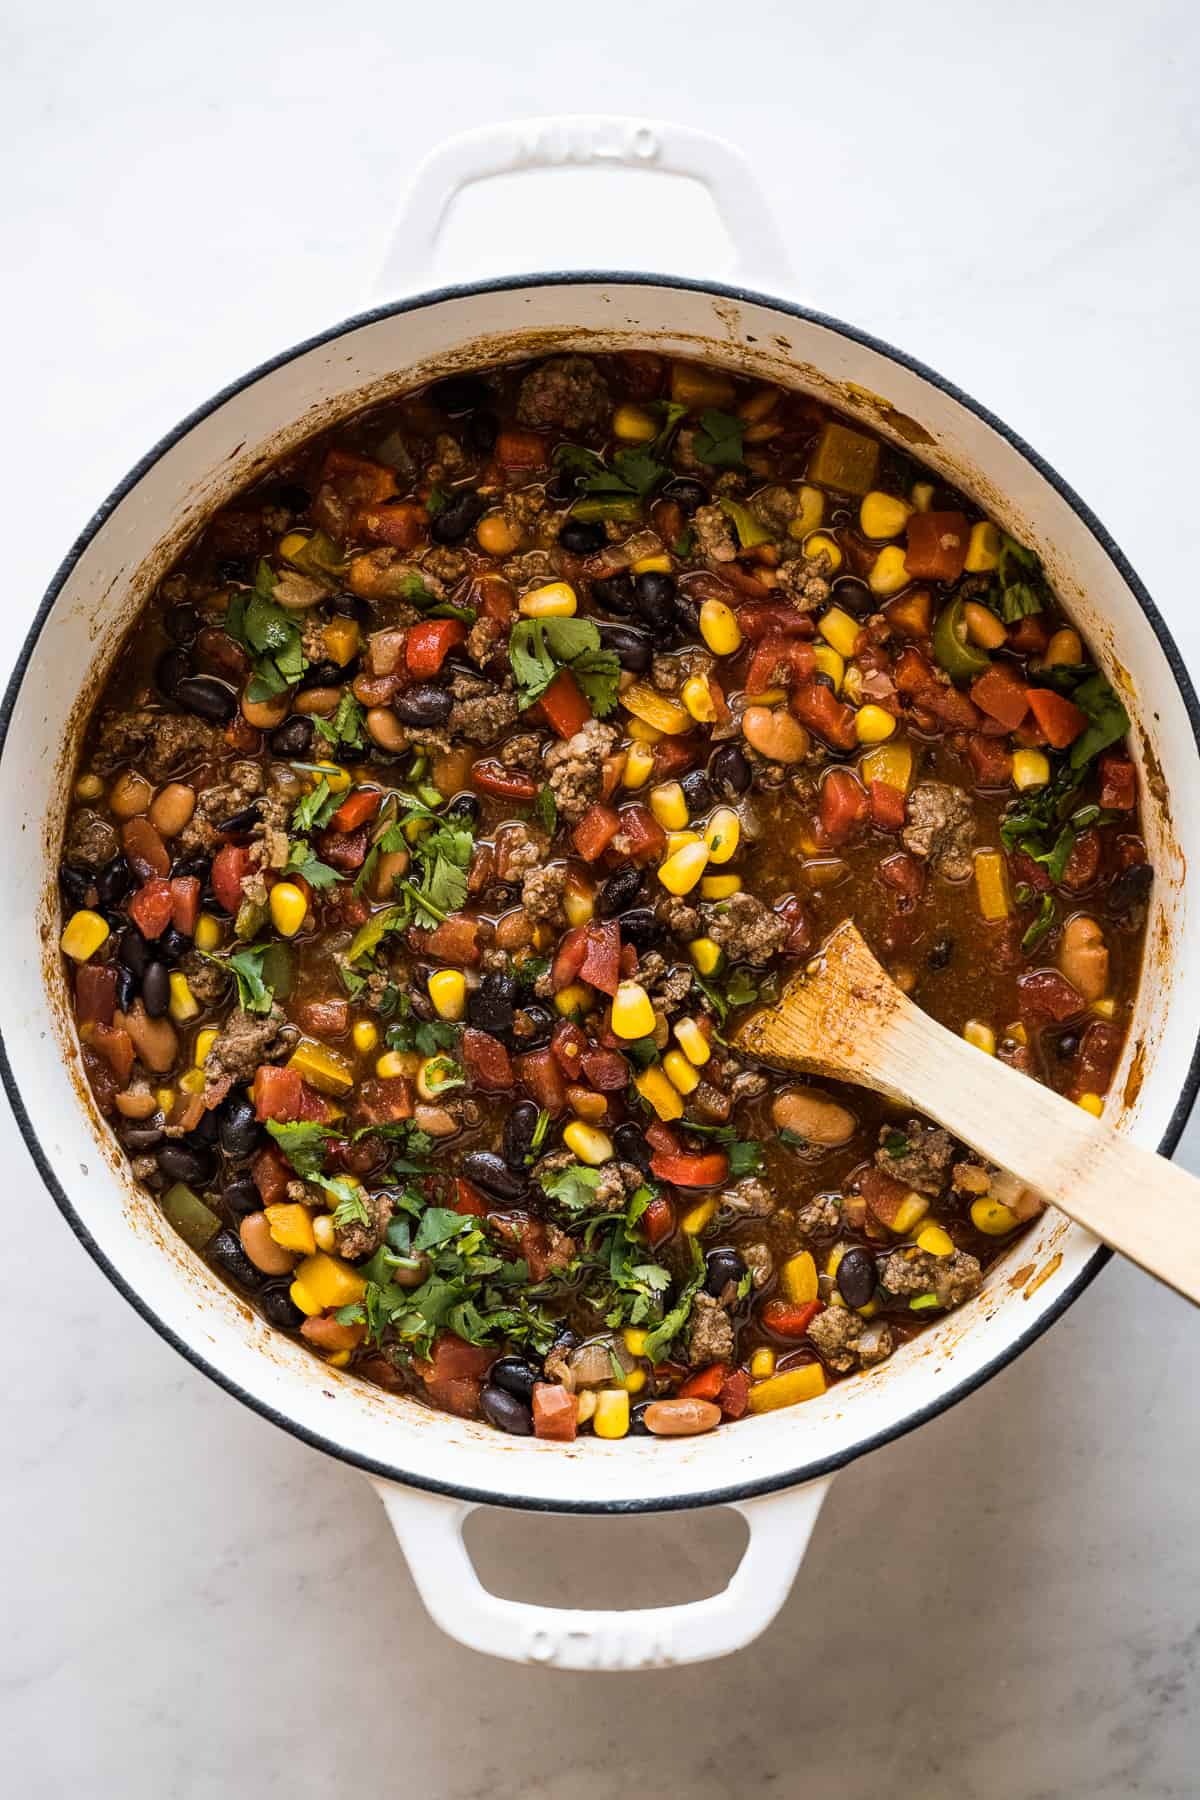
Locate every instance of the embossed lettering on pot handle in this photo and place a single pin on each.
(579, 141)
(429, 1529)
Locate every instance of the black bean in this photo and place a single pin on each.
(172, 669)
(204, 1135)
(1066, 1046)
(113, 882)
(76, 885)
(561, 486)
(582, 536)
(515, 1376)
(642, 928)
(156, 990)
(139, 1138)
(853, 596)
(856, 1276)
(293, 739)
(465, 806)
(519, 1128)
(632, 648)
(207, 698)
(481, 431)
(172, 944)
(686, 493)
(458, 517)
(1130, 888)
(292, 497)
(506, 1411)
(179, 1163)
(637, 1419)
(620, 892)
(564, 1337)
(423, 705)
(730, 772)
(821, 679)
(181, 623)
(232, 568)
(323, 674)
(697, 791)
(654, 601)
(242, 1197)
(940, 953)
(493, 1175)
(279, 1309)
(614, 593)
(127, 988)
(226, 1252)
(241, 822)
(490, 1007)
(722, 1267)
(456, 394)
(134, 952)
(237, 1126)
(533, 1025)
(629, 1142)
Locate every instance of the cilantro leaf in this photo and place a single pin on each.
(745, 1157)
(414, 591)
(1020, 580)
(314, 809)
(346, 725)
(269, 633)
(539, 648)
(1108, 720)
(573, 1187)
(303, 1143)
(303, 861)
(718, 441)
(674, 1321)
(246, 966)
(1045, 918)
(546, 808)
(351, 1208)
(368, 937)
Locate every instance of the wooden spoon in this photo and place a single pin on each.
(845, 1017)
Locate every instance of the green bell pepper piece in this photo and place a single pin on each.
(953, 650)
(194, 1221)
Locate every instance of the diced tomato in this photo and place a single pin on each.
(1060, 718)
(607, 1070)
(403, 526)
(1001, 696)
(271, 1174)
(468, 1199)
(887, 806)
(521, 450)
(1045, 994)
(345, 850)
(1118, 782)
(276, 1093)
(429, 643)
(151, 907)
(705, 1384)
(382, 1100)
(779, 661)
(601, 965)
(911, 614)
(568, 958)
(760, 619)
(913, 674)
(455, 940)
(358, 808)
(629, 961)
(1023, 868)
(539, 1074)
(903, 873)
(990, 760)
(95, 993)
(658, 1220)
(1028, 636)
(596, 831)
(882, 1193)
(327, 1334)
(457, 1394)
(565, 706)
(661, 1136)
(554, 1412)
(452, 1358)
(1083, 864)
(486, 1061)
(642, 837)
(799, 939)
(1096, 1059)
(185, 903)
(734, 1396)
(674, 754)
(936, 545)
(228, 866)
(691, 1169)
(818, 707)
(568, 1044)
(115, 1046)
(788, 1321)
(491, 777)
(844, 806)
(357, 478)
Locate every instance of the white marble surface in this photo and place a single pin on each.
(1006, 1604)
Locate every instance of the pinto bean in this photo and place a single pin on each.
(265, 715)
(812, 1117)
(386, 730)
(438, 1121)
(172, 807)
(323, 701)
(137, 1102)
(775, 734)
(385, 650)
(261, 1247)
(390, 866)
(155, 1040)
(144, 849)
(680, 1418)
(514, 931)
(129, 795)
(1083, 957)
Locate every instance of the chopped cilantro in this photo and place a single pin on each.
(573, 1187)
(1025, 896)
(302, 861)
(346, 725)
(539, 648)
(246, 966)
(303, 1143)
(315, 809)
(718, 442)
(546, 809)
(745, 1157)
(896, 1144)
(270, 635)
(673, 1322)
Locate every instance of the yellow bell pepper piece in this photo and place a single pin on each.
(991, 882)
(804, 1383)
(798, 1277)
(329, 1281)
(653, 708)
(291, 1227)
(325, 1069)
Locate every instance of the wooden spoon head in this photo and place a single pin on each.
(832, 1018)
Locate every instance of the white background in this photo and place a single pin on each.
(1006, 1604)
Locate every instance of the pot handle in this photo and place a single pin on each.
(602, 139)
(429, 1530)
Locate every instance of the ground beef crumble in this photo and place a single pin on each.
(921, 1161)
(941, 828)
(575, 769)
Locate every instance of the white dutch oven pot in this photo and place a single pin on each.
(431, 1469)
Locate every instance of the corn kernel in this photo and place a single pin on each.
(992, 1217)
(585, 1405)
(922, 496)
(983, 548)
(182, 1004)
(192, 1081)
(1017, 1033)
(448, 991)
(888, 573)
(632, 1013)
(590, 1145)
(1091, 1103)
(435, 1075)
(556, 600)
(643, 733)
(204, 1042)
(680, 1072)
(892, 764)
(394, 1063)
(762, 1364)
(364, 1036)
(805, 1383)
(651, 565)
(635, 1381)
(722, 835)
(914, 1206)
(719, 887)
(719, 628)
(1104, 1008)
(1030, 768)
(292, 543)
(89, 787)
(634, 424)
(830, 663)
(653, 708)
(935, 1241)
(579, 901)
(872, 725)
(288, 907)
(798, 1277)
(576, 997)
(658, 1093)
(337, 1359)
(668, 805)
(980, 1035)
(706, 954)
(325, 1232)
(699, 1217)
(208, 932)
(821, 544)
(698, 700)
(692, 1041)
(634, 1340)
(291, 1227)
(639, 765)
(883, 515)
(839, 629)
(165, 1097)
(83, 935)
(611, 1417)
(680, 873)
(335, 777)
(811, 510)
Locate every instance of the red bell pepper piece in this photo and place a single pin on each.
(888, 806)
(491, 777)
(1060, 718)
(936, 545)
(734, 1396)
(228, 866)
(151, 907)
(539, 1074)
(564, 705)
(358, 808)
(1118, 782)
(691, 1169)
(705, 1384)
(430, 642)
(819, 708)
(486, 1061)
(1001, 696)
(789, 1321)
(554, 1412)
(844, 806)
(601, 965)
(658, 1220)
(596, 831)
(95, 993)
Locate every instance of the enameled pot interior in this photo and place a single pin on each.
(100, 590)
